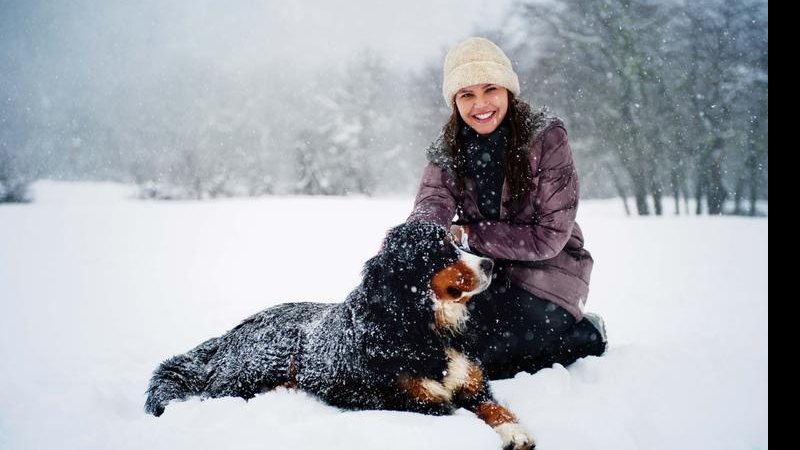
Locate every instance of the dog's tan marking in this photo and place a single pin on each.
(455, 277)
(505, 424)
(425, 390)
(462, 376)
(474, 382)
(291, 383)
(449, 303)
(494, 414)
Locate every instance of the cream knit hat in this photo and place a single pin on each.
(476, 61)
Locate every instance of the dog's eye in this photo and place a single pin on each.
(453, 292)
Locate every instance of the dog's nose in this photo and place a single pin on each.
(487, 265)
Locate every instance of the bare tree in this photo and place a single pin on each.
(662, 86)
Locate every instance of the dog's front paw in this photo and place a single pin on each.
(515, 437)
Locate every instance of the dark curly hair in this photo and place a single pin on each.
(517, 165)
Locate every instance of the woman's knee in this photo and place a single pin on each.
(544, 316)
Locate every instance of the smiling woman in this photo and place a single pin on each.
(507, 173)
(482, 107)
(477, 76)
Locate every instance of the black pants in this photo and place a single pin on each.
(511, 330)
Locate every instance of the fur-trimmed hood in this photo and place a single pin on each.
(538, 121)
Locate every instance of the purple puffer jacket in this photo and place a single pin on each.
(543, 245)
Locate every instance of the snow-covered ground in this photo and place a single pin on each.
(96, 289)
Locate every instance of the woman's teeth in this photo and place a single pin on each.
(485, 116)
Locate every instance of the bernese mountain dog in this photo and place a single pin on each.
(392, 344)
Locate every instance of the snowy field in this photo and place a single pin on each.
(96, 289)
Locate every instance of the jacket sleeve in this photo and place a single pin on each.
(435, 200)
(555, 203)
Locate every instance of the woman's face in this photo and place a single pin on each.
(482, 106)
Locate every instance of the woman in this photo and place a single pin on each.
(508, 174)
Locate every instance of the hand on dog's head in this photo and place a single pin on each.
(418, 245)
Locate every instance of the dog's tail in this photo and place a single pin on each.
(180, 377)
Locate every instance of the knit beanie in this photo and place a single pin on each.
(476, 61)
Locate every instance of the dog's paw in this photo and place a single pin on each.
(515, 437)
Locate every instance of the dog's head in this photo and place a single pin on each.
(420, 258)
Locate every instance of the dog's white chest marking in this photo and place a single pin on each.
(459, 369)
(450, 315)
(460, 375)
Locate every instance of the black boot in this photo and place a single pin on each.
(587, 338)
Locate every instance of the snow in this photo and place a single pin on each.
(97, 288)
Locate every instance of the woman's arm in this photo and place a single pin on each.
(435, 200)
(556, 204)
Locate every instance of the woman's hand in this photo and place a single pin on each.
(460, 233)
(456, 230)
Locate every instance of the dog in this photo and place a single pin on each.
(392, 344)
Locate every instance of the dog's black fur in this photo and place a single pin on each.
(352, 355)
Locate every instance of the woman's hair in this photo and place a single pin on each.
(517, 165)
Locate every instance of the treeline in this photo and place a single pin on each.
(661, 99)
(667, 98)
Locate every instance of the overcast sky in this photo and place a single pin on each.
(406, 32)
(237, 33)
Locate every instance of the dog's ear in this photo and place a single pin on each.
(372, 267)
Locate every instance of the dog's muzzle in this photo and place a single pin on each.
(482, 267)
